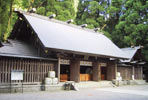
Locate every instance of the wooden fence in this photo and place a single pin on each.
(127, 72)
(34, 70)
(138, 73)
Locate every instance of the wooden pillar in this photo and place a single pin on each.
(111, 70)
(116, 68)
(96, 71)
(75, 70)
(141, 72)
(133, 73)
(59, 68)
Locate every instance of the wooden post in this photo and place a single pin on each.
(116, 68)
(75, 70)
(133, 76)
(141, 72)
(111, 70)
(59, 69)
(99, 72)
(96, 71)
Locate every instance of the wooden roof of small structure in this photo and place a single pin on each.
(16, 48)
(131, 53)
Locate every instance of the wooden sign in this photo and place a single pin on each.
(65, 62)
(85, 63)
(82, 63)
(103, 64)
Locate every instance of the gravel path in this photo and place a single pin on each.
(119, 93)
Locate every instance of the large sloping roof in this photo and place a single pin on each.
(58, 35)
(130, 52)
(19, 49)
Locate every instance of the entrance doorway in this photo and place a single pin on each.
(64, 73)
(103, 73)
(85, 73)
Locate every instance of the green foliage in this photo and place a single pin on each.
(64, 10)
(114, 10)
(41, 10)
(49, 13)
(89, 12)
(133, 25)
(4, 16)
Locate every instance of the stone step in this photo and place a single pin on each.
(91, 84)
(140, 82)
(56, 87)
(129, 82)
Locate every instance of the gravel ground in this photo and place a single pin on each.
(119, 93)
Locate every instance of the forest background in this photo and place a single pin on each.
(125, 22)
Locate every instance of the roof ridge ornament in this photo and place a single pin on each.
(69, 21)
(96, 29)
(132, 46)
(33, 10)
(52, 16)
(83, 25)
(20, 10)
(15, 9)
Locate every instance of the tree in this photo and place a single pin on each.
(133, 23)
(132, 28)
(4, 10)
(64, 9)
(114, 11)
(92, 12)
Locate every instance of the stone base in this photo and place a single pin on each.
(93, 84)
(51, 88)
(137, 82)
(129, 82)
(31, 88)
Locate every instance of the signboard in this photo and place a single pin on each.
(86, 63)
(103, 64)
(82, 63)
(17, 75)
(65, 62)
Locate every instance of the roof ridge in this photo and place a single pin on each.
(58, 21)
(130, 48)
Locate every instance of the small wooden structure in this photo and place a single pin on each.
(133, 68)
